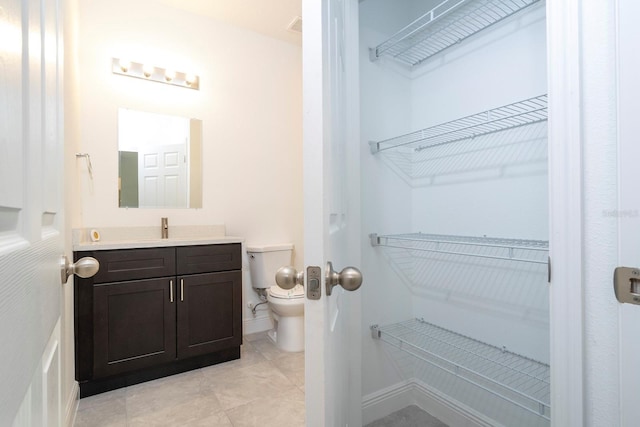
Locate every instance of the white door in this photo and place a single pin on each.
(31, 220)
(629, 202)
(331, 209)
(163, 176)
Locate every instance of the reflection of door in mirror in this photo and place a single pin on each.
(159, 160)
(163, 176)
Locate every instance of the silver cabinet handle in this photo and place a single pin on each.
(171, 290)
(84, 267)
(181, 289)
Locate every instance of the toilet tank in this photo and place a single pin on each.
(265, 260)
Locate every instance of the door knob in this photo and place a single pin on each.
(287, 277)
(350, 278)
(84, 267)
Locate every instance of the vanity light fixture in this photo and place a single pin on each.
(147, 70)
(189, 79)
(125, 67)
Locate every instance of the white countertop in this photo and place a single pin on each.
(149, 237)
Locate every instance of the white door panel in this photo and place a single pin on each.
(332, 214)
(163, 177)
(30, 212)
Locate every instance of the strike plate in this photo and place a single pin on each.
(626, 284)
(314, 277)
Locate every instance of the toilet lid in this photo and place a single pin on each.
(296, 292)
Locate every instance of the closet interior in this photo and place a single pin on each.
(454, 192)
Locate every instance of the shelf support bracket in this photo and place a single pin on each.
(374, 147)
(375, 240)
(375, 332)
(373, 54)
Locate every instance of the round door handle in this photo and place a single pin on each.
(350, 278)
(288, 277)
(84, 267)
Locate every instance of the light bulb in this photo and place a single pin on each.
(147, 70)
(189, 79)
(169, 75)
(124, 65)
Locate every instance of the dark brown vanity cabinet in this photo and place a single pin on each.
(156, 311)
(134, 326)
(207, 301)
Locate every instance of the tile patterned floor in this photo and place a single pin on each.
(265, 388)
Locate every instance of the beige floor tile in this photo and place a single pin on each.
(234, 373)
(292, 366)
(102, 411)
(101, 399)
(219, 419)
(148, 398)
(189, 413)
(271, 412)
(268, 349)
(236, 387)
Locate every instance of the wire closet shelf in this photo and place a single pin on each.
(521, 113)
(520, 380)
(531, 251)
(447, 24)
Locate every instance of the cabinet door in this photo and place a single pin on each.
(134, 325)
(209, 313)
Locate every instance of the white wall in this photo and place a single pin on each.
(385, 197)
(249, 100)
(507, 306)
(71, 203)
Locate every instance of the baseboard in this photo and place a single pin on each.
(257, 324)
(386, 401)
(415, 392)
(71, 408)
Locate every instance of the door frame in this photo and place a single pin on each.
(627, 89)
(586, 346)
(565, 212)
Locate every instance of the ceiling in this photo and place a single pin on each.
(268, 17)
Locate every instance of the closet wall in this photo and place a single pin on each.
(493, 185)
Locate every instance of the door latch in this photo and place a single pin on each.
(314, 276)
(626, 284)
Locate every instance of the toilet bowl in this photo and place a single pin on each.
(286, 306)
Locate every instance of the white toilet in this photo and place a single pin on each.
(287, 306)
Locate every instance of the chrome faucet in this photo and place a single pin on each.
(165, 228)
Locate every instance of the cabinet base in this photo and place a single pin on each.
(91, 387)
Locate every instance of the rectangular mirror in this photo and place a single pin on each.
(159, 160)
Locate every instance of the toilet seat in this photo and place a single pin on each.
(295, 293)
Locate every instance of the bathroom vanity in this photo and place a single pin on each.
(156, 308)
